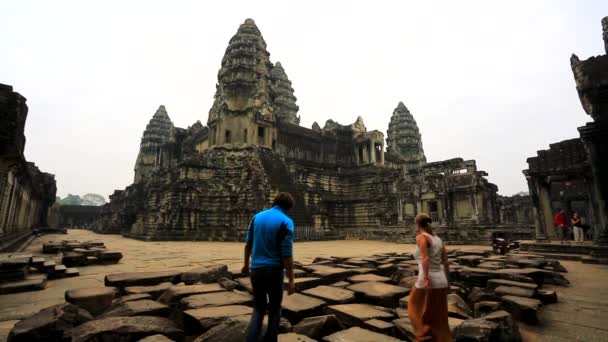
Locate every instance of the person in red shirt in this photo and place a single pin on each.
(561, 222)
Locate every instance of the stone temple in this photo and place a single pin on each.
(206, 182)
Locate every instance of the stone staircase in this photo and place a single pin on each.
(281, 180)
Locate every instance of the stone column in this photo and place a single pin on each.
(539, 221)
(382, 154)
(594, 141)
(372, 152)
(400, 211)
(544, 197)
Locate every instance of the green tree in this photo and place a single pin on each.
(71, 200)
(93, 199)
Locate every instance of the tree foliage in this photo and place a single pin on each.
(88, 199)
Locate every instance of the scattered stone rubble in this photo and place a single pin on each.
(77, 253)
(26, 272)
(337, 299)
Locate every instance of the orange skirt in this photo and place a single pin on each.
(428, 313)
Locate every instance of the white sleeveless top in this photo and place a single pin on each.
(436, 273)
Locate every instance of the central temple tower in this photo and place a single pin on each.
(404, 139)
(242, 111)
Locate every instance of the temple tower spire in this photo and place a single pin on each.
(404, 139)
(242, 112)
(158, 132)
(286, 109)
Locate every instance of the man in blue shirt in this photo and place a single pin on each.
(269, 245)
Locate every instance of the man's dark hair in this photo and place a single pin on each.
(284, 200)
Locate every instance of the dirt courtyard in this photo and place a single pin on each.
(580, 315)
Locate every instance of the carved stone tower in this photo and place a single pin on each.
(242, 112)
(159, 131)
(286, 109)
(404, 139)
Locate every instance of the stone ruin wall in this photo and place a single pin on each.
(26, 193)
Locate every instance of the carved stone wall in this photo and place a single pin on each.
(26, 193)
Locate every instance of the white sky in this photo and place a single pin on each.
(485, 80)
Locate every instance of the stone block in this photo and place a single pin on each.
(362, 278)
(95, 300)
(491, 265)
(293, 337)
(355, 314)
(175, 293)
(458, 308)
(49, 324)
(318, 326)
(245, 282)
(215, 299)
(331, 294)
(234, 329)
(485, 307)
(329, 274)
(477, 329)
(494, 283)
(72, 272)
(479, 295)
(203, 319)
(156, 338)
(539, 276)
(379, 293)
(90, 260)
(356, 334)
(506, 330)
(386, 270)
(72, 259)
(469, 260)
(109, 257)
(228, 284)
(38, 262)
(48, 266)
(523, 309)
(205, 274)
(154, 291)
(122, 280)
(130, 298)
(402, 273)
(546, 296)
(504, 290)
(124, 329)
(409, 282)
(304, 283)
(341, 284)
(144, 307)
(30, 283)
(379, 326)
(297, 306)
(404, 329)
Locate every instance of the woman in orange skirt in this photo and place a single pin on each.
(428, 304)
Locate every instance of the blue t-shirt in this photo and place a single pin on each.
(271, 233)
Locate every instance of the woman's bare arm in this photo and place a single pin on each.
(446, 264)
(423, 245)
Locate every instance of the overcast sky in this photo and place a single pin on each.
(485, 80)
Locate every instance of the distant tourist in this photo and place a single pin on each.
(577, 224)
(269, 244)
(561, 222)
(428, 304)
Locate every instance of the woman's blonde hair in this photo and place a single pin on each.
(424, 221)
